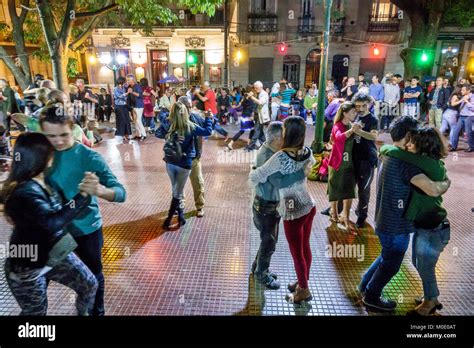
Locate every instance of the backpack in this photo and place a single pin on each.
(172, 149)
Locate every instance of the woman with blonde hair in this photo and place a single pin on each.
(341, 181)
(180, 150)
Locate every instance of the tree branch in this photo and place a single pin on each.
(66, 28)
(96, 13)
(47, 22)
(84, 35)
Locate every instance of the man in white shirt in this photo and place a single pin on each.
(263, 115)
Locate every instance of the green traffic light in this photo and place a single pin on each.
(424, 57)
(191, 59)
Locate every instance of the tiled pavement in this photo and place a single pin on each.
(202, 269)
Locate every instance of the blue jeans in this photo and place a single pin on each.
(449, 120)
(466, 122)
(218, 128)
(386, 265)
(427, 246)
(178, 177)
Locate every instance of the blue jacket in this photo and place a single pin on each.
(188, 145)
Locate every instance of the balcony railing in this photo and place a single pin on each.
(262, 22)
(383, 23)
(306, 26)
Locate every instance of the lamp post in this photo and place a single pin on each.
(114, 62)
(318, 143)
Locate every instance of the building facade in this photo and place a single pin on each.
(271, 39)
(193, 50)
(283, 39)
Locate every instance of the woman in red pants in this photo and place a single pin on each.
(287, 170)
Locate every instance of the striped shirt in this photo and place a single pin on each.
(393, 193)
(285, 95)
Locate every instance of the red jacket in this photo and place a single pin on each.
(339, 140)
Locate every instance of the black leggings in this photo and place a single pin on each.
(239, 134)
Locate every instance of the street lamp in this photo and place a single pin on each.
(114, 63)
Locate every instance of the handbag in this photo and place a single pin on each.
(61, 249)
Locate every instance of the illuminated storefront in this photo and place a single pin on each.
(197, 55)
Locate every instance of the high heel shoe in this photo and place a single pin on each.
(349, 225)
(416, 313)
(419, 301)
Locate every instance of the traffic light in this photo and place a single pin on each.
(424, 57)
(282, 48)
(191, 58)
(376, 51)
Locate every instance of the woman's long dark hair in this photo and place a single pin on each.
(121, 81)
(429, 142)
(144, 82)
(31, 155)
(294, 133)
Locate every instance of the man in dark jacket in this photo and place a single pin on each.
(437, 102)
(105, 105)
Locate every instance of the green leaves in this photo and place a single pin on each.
(72, 67)
(459, 12)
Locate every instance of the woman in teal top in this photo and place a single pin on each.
(432, 230)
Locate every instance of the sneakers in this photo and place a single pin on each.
(380, 303)
(270, 283)
(200, 213)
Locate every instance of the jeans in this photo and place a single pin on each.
(298, 233)
(364, 174)
(427, 246)
(449, 121)
(259, 134)
(466, 122)
(218, 128)
(178, 177)
(394, 247)
(89, 250)
(197, 181)
(412, 110)
(388, 112)
(266, 220)
(72, 272)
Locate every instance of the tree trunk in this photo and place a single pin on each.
(424, 36)
(59, 64)
(425, 21)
